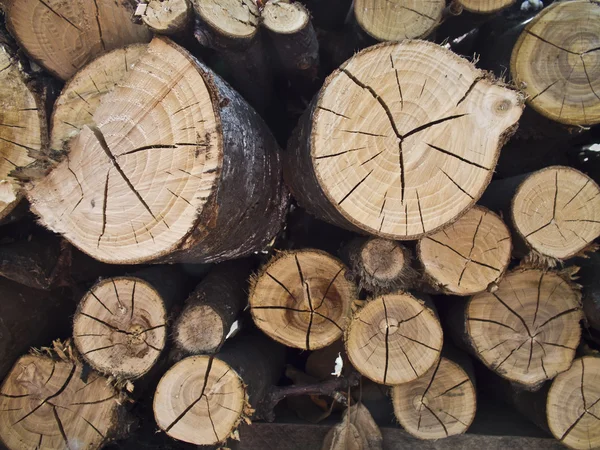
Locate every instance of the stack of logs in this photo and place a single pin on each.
(154, 245)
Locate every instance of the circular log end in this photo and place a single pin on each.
(402, 149)
(200, 400)
(557, 211)
(302, 299)
(466, 257)
(394, 339)
(485, 6)
(527, 330)
(167, 16)
(120, 327)
(440, 403)
(572, 408)
(398, 20)
(284, 17)
(52, 405)
(556, 61)
(199, 329)
(230, 18)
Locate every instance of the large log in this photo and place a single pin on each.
(400, 141)
(63, 36)
(157, 176)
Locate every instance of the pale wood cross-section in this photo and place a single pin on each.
(81, 96)
(557, 212)
(394, 339)
(63, 36)
(396, 20)
(120, 327)
(556, 61)
(468, 256)
(167, 16)
(51, 405)
(302, 299)
(485, 6)
(438, 404)
(200, 400)
(527, 330)
(573, 405)
(233, 19)
(402, 139)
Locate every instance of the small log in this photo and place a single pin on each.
(362, 150)
(302, 299)
(24, 131)
(554, 61)
(203, 399)
(48, 403)
(231, 28)
(485, 6)
(440, 403)
(63, 36)
(381, 265)
(294, 38)
(526, 331)
(469, 256)
(394, 339)
(81, 96)
(556, 212)
(168, 16)
(212, 308)
(398, 20)
(132, 191)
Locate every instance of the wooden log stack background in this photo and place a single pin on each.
(220, 212)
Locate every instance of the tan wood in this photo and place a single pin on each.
(64, 36)
(200, 400)
(167, 16)
(402, 139)
(396, 20)
(22, 127)
(52, 405)
(199, 329)
(284, 17)
(120, 327)
(231, 18)
(557, 212)
(81, 96)
(526, 331)
(469, 256)
(485, 6)
(302, 299)
(573, 405)
(556, 62)
(438, 404)
(394, 339)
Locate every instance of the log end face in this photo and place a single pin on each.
(283, 17)
(167, 17)
(199, 330)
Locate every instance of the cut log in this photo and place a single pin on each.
(302, 299)
(469, 256)
(398, 20)
(167, 16)
(23, 128)
(202, 399)
(527, 330)
(381, 265)
(438, 404)
(401, 140)
(30, 318)
(293, 36)
(81, 96)
(556, 212)
(555, 61)
(394, 339)
(53, 404)
(158, 174)
(231, 28)
(485, 6)
(64, 36)
(212, 308)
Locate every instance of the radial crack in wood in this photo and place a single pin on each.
(302, 299)
(528, 329)
(557, 212)
(420, 157)
(394, 339)
(556, 62)
(468, 256)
